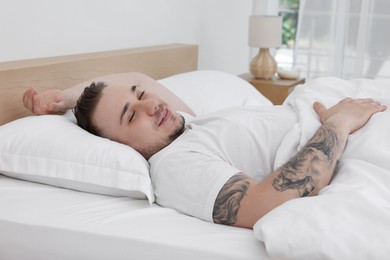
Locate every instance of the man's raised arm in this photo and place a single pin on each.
(243, 200)
(56, 101)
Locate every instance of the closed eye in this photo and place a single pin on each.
(142, 94)
(133, 114)
(127, 105)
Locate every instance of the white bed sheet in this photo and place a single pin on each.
(39, 222)
(350, 218)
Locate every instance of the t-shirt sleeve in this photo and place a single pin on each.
(190, 188)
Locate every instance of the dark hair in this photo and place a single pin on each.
(86, 105)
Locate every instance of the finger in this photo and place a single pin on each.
(379, 107)
(25, 94)
(25, 97)
(28, 98)
(35, 105)
(365, 100)
(39, 107)
(374, 104)
(319, 108)
(357, 100)
(58, 107)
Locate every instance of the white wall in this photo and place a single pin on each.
(42, 28)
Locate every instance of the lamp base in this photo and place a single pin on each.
(263, 65)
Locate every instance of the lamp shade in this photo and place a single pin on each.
(265, 31)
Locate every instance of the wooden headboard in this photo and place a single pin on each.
(65, 71)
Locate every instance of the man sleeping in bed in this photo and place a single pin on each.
(217, 167)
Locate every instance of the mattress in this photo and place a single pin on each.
(38, 221)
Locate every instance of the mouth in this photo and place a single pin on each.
(165, 116)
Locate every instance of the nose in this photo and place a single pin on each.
(149, 106)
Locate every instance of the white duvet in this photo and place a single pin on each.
(350, 218)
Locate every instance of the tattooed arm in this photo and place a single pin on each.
(243, 200)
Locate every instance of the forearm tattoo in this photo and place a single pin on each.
(323, 150)
(229, 198)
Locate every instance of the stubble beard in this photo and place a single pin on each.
(178, 131)
(158, 147)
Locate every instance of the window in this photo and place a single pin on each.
(346, 39)
(288, 9)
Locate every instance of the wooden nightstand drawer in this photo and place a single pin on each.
(274, 89)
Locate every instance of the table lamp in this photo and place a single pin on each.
(264, 32)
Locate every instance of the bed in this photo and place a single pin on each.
(80, 197)
(76, 220)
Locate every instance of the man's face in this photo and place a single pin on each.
(140, 119)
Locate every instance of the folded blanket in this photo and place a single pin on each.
(350, 218)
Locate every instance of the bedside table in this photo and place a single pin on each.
(274, 89)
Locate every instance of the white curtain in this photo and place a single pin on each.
(343, 38)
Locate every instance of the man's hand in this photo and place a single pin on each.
(53, 101)
(349, 114)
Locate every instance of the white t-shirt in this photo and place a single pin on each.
(188, 174)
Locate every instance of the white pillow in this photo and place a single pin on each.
(52, 149)
(207, 90)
